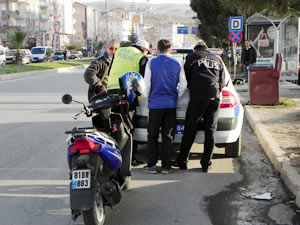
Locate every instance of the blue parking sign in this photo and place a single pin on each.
(236, 23)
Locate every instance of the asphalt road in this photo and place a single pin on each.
(34, 173)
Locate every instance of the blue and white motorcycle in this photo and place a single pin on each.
(99, 157)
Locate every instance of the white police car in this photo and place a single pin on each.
(230, 119)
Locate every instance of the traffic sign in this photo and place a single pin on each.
(236, 23)
(194, 30)
(182, 30)
(235, 36)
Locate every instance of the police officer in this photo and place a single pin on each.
(205, 78)
(127, 59)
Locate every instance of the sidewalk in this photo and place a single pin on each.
(278, 131)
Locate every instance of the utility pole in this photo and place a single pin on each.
(106, 21)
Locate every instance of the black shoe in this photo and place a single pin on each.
(136, 162)
(205, 167)
(181, 165)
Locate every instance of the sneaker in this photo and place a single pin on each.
(165, 171)
(152, 169)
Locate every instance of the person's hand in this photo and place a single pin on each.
(103, 88)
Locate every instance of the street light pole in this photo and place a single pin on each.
(106, 21)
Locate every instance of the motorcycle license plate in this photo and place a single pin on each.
(81, 179)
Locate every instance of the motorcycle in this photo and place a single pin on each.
(99, 157)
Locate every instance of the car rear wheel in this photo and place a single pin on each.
(234, 149)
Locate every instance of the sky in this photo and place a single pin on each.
(143, 1)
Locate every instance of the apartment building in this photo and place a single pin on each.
(114, 27)
(47, 22)
(79, 34)
(19, 14)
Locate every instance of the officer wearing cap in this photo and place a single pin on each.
(205, 79)
(127, 59)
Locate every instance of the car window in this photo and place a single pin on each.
(58, 53)
(11, 53)
(38, 50)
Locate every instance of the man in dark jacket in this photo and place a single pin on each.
(205, 78)
(165, 82)
(248, 57)
(96, 75)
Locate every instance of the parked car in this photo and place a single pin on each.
(59, 55)
(25, 54)
(2, 56)
(217, 51)
(230, 118)
(39, 53)
(76, 55)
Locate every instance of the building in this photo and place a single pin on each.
(79, 33)
(47, 22)
(20, 14)
(114, 27)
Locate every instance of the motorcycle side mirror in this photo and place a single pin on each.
(66, 99)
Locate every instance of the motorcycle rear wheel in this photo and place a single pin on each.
(96, 215)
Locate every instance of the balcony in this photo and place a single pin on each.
(44, 3)
(44, 16)
(16, 1)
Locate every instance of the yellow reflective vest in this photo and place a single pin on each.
(126, 59)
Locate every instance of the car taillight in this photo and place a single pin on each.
(84, 145)
(228, 100)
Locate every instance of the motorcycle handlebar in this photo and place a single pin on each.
(101, 103)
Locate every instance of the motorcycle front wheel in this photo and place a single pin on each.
(96, 215)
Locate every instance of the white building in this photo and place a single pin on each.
(168, 31)
(115, 27)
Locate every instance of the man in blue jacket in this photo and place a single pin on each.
(165, 81)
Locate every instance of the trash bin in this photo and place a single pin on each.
(264, 84)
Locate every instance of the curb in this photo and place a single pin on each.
(281, 163)
(14, 76)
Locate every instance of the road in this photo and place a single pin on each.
(34, 172)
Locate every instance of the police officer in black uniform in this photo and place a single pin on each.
(205, 78)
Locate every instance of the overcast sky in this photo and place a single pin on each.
(142, 1)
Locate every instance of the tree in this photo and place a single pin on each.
(16, 38)
(74, 46)
(132, 38)
(213, 27)
(98, 46)
(49, 54)
(214, 15)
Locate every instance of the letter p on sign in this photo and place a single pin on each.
(236, 23)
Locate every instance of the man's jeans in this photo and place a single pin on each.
(245, 67)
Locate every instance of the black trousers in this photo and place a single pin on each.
(166, 120)
(197, 109)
